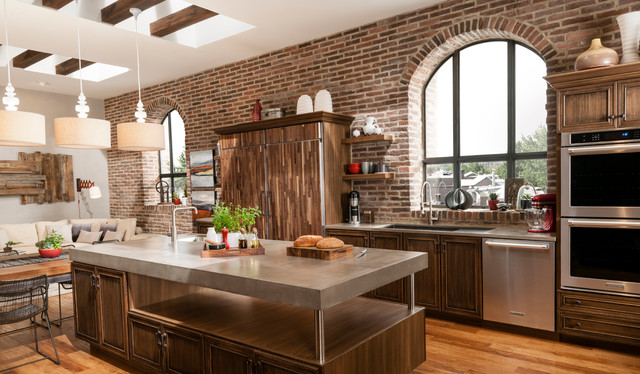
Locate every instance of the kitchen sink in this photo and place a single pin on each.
(192, 238)
(435, 228)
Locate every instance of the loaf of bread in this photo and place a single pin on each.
(306, 241)
(329, 243)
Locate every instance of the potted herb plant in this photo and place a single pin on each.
(525, 201)
(8, 246)
(176, 199)
(233, 218)
(51, 246)
(493, 201)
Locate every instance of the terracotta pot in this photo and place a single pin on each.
(176, 201)
(596, 56)
(50, 252)
(493, 204)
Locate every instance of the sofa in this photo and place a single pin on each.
(30, 233)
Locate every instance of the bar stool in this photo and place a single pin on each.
(64, 282)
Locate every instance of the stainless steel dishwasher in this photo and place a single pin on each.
(519, 282)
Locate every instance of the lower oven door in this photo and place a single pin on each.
(601, 255)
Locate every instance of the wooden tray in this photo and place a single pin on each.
(231, 252)
(320, 253)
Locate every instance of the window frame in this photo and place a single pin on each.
(171, 176)
(457, 159)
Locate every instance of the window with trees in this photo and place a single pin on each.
(172, 160)
(485, 120)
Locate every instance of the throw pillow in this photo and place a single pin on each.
(4, 238)
(64, 230)
(107, 227)
(113, 235)
(76, 228)
(89, 236)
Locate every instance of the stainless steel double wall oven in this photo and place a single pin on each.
(600, 225)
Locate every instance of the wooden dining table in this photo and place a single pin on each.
(50, 268)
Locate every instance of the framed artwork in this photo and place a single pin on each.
(203, 199)
(202, 169)
(511, 187)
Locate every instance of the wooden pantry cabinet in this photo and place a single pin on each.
(290, 168)
(452, 283)
(598, 99)
(100, 305)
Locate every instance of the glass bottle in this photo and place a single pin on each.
(242, 239)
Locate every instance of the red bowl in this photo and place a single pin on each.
(354, 168)
(50, 253)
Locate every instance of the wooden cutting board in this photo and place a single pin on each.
(320, 253)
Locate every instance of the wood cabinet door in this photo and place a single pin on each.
(113, 311)
(242, 139)
(146, 343)
(269, 364)
(85, 303)
(427, 281)
(297, 133)
(227, 358)
(242, 174)
(586, 108)
(628, 109)
(294, 197)
(393, 291)
(183, 352)
(353, 237)
(462, 276)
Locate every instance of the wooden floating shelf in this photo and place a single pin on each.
(370, 138)
(374, 176)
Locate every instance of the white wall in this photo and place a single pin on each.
(87, 163)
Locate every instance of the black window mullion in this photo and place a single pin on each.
(456, 119)
(511, 107)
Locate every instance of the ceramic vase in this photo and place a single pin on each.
(596, 56)
(630, 36)
(305, 105)
(257, 109)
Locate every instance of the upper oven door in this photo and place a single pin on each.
(601, 181)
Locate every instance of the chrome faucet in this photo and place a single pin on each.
(423, 203)
(174, 233)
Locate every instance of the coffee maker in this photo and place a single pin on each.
(544, 204)
(354, 207)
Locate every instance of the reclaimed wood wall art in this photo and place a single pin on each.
(21, 178)
(58, 173)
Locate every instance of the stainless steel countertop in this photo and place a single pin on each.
(502, 232)
(306, 282)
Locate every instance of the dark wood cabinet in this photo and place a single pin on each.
(596, 316)
(393, 291)
(285, 168)
(165, 348)
(427, 281)
(100, 305)
(354, 237)
(598, 99)
(270, 364)
(461, 267)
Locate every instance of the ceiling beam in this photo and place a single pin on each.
(28, 58)
(119, 11)
(55, 4)
(69, 66)
(179, 20)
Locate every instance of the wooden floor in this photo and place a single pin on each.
(451, 348)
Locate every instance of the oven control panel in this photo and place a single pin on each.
(605, 136)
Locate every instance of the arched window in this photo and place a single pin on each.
(172, 160)
(485, 120)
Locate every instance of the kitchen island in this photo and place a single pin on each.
(176, 312)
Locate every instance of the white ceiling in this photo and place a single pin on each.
(278, 24)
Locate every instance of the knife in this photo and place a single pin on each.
(364, 252)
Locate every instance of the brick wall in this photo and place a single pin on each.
(377, 69)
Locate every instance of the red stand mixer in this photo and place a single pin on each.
(542, 205)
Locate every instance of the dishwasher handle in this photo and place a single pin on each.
(541, 247)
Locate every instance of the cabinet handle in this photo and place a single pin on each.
(578, 324)
(373, 242)
(444, 247)
(159, 338)
(366, 242)
(268, 193)
(97, 281)
(93, 281)
(262, 203)
(164, 340)
(578, 302)
(249, 366)
(611, 117)
(623, 116)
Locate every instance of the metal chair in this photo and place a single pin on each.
(64, 282)
(22, 299)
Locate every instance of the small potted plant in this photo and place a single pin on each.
(8, 246)
(233, 218)
(176, 199)
(525, 201)
(493, 201)
(51, 246)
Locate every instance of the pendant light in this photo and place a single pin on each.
(82, 132)
(140, 136)
(21, 129)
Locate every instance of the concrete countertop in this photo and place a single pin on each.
(306, 282)
(502, 232)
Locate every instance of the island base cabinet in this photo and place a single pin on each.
(100, 306)
(164, 348)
